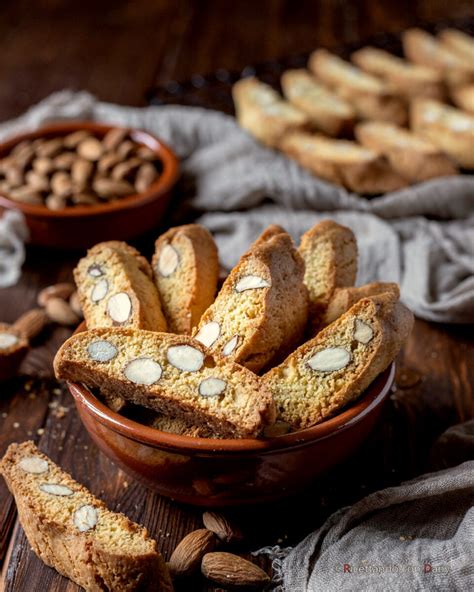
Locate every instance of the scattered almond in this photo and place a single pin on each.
(62, 290)
(59, 311)
(187, 556)
(31, 323)
(227, 569)
(221, 527)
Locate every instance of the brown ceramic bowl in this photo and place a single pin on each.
(217, 473)
(83, 226)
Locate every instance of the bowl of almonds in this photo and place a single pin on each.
(81, 182)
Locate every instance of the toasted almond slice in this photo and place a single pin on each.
(56, 489)
(99, 291)
(362, 331)
(86, 518)
(251, 282)
(185, 358)
(119, 307)
(168, 261)
(330, 359)
(208, 333)
(102, 351)
(212, 387)
(143, 371)
(34, 465)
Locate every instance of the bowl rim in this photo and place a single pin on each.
(161, 186)
(374, 396)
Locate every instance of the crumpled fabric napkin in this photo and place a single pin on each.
(421, 236)
(417, 536)
(13, 233)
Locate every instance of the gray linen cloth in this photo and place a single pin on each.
(417, 536)
(421, 237)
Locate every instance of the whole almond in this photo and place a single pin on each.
(108, 161)
(114, 137)
(13, 174)
(43, 165)
(75, 138)
(49, 148)
(65, 160)
(75, 304)
(81, 171)
(146, 174)
(124, 149)
(228, 570)
(61, 184)
(62, 290)
(55, 202)
(26, 195)
(221, 527)
(31, 323)
(146, 153)
(36, 181)
(121, 170)
(85, 199)
(111, 188)
(187, 556)
(59, 311)
(90, 149)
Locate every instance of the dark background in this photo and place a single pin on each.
(119, 50)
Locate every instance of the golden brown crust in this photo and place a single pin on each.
(329, 251)
(422, 48)
(343, 298)
(409, 155)
(326, 111)
(305, 394)
(263, 113)
(118, 269)
(240, 409)
(259, 318)
(407, 79)
(343, 163)
(191, 288)
(123, 559)
(448, 128)
(371, 97)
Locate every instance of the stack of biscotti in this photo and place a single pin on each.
(73, 531)
(335, 367)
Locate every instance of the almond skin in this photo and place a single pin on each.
(231, 570)
(221, 527)
(59, 311)
(187, 556)
(31, 323)
(62, 290)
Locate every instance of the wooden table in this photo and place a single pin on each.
(118, 50)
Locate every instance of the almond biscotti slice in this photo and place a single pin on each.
(262, 307)
(408, 79)
(424, 49)
(171, 374)
(186, 270)
(343, 162)
(116, 288)
(463, 97)
(459, 42)
(411, 156)
(371, 97)
(326, 110)
(263, 113)
(73, 531)
(336, 366)
(329, 251)
(448, 128)
(343, 298)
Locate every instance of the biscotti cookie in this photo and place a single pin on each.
(263, 113)
(422, 48)
(343, 298)
(13, 348)
(459, 42)
(343, 162)
(407, 79)
(186, 270)
(116, 288)
(329, 251)
(411, 156)
(450, 129)
(170, 374)
(326, 110)
(262, 306)
(371, 97)
(336, 366)
(463, 97)
(73, 532)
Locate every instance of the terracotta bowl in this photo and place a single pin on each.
(83, 226)
(217, 473)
